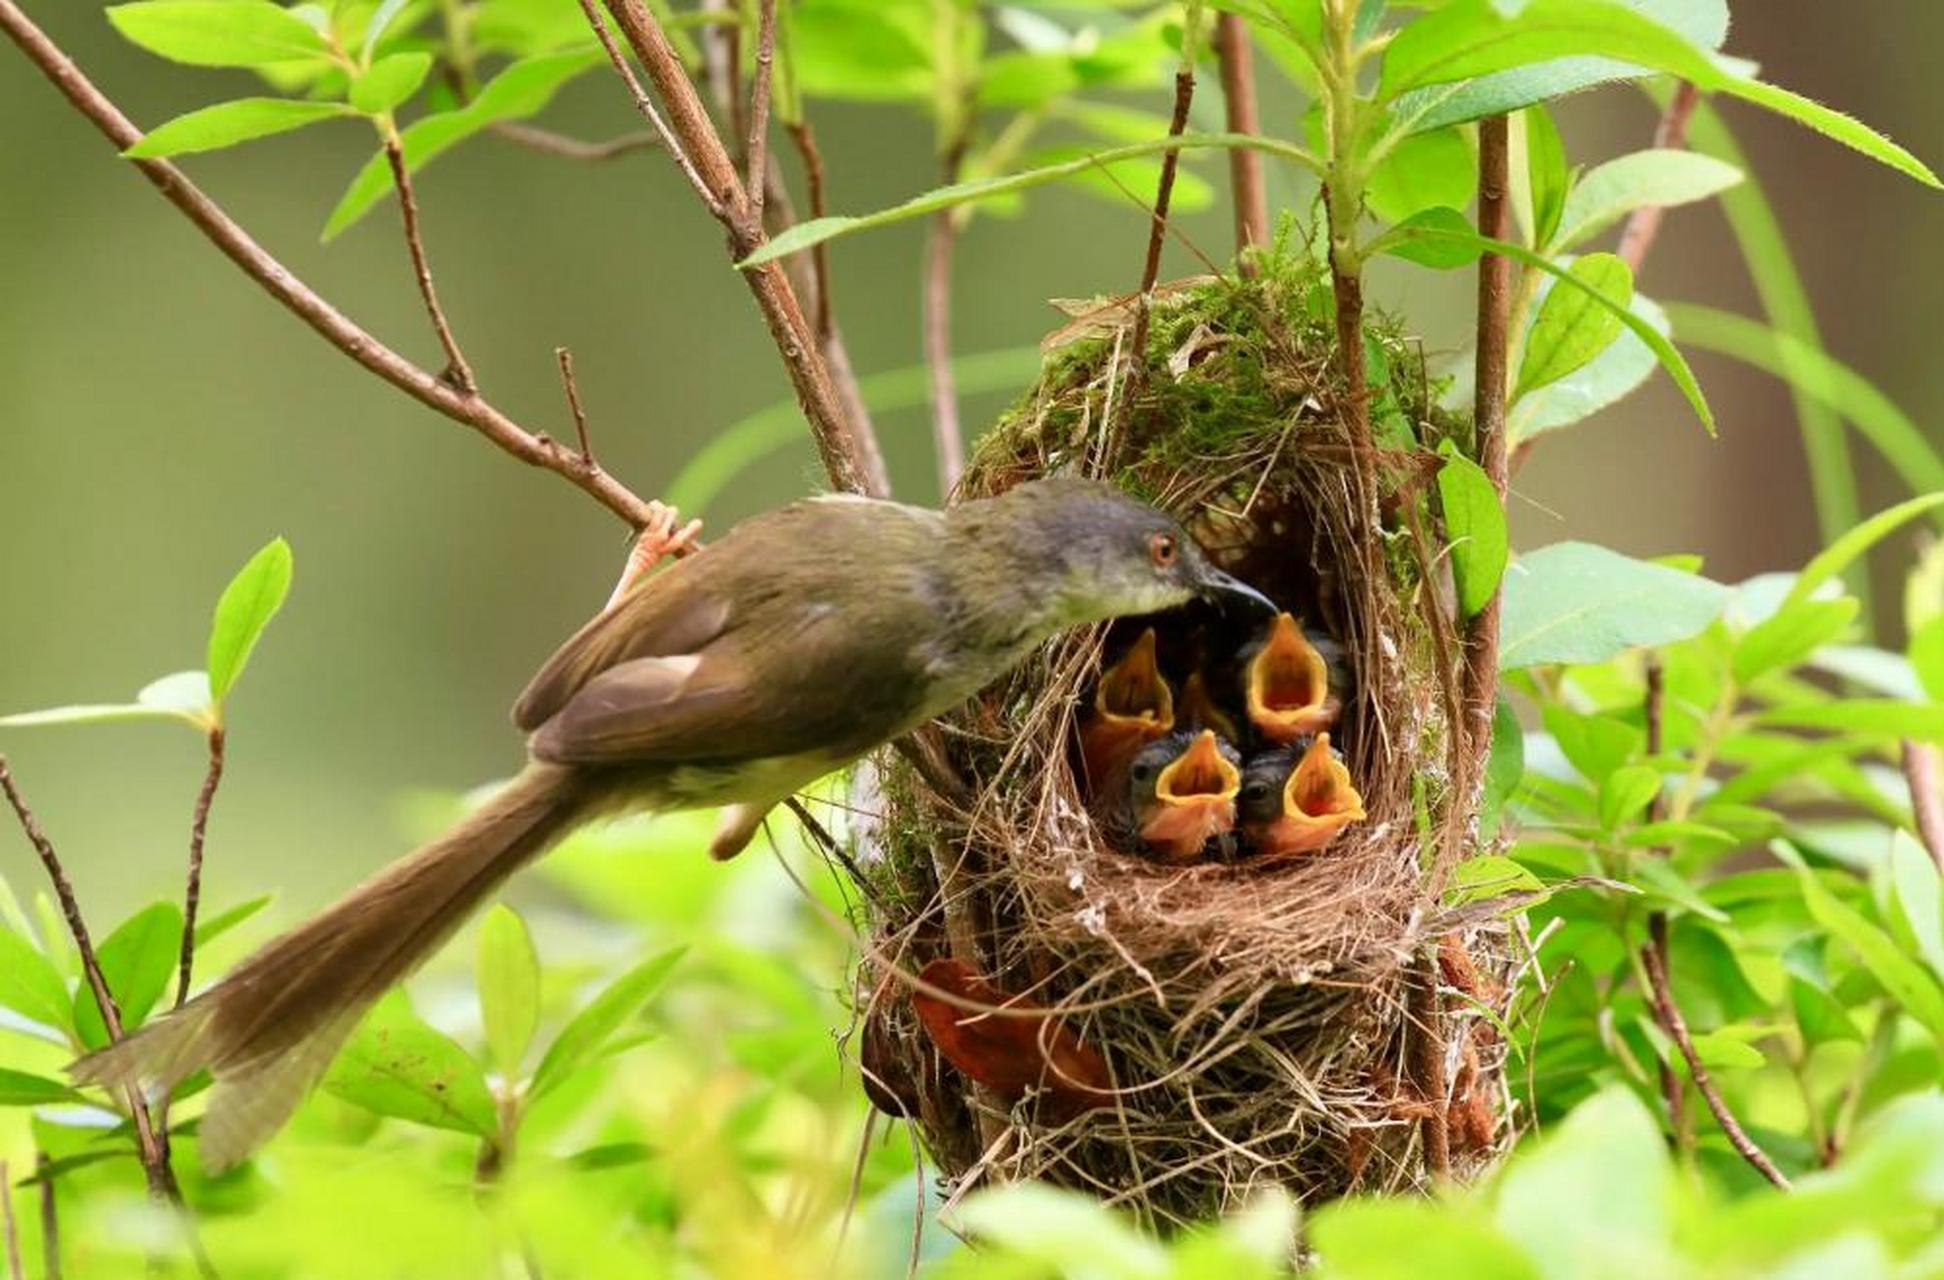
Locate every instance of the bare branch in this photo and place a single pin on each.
(1184, 95)
(565, 359)
(283, 285)
(756, 151)
(1926, 796)
(547, 141)
(948, 439)
(1245, 166)
(813, 182)
(192, 893)
(1488, 415)
(457, 371)
(16, 1270)
(711, 199)
(1425, 1025)
(1669, 1015)
(50, 1219)
(1643, 225)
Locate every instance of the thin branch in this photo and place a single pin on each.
(565, 359)
(457, 371)
(283, 285)
(153, 1143)
(1644, 224)
(1245, 165)
(813, 183)
(1488, 415)
(1184, 95)
(16, 1270)
(711, 200)
(947, 436)
(1669, 1015)
(192, 892)
(50, 1219)
(756, 151)
(1926, 796)
(1424, 1024)
(1655, 714)
(550, 143)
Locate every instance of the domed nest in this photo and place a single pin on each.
(1050, 999)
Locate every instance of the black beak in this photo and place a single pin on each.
(1232, 595)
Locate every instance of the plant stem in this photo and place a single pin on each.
(50, 1220)
(1644, 224)
(1926, 796)
(547, 141)
(16, 1270)
(1488, 415)
(756, 150)
(948, 438)
(1245, 166)
(1343, 205)
(192, 890)
(457, 371)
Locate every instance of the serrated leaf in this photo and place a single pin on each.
(397, 1065)
(247, 604)
(137, 961)
(581, 1040)
(509, 987)
(1573, 326)
(1663, 177)
(218, 35)
(1475, 524)
(30, 985)
(1625, 792)
(1791, 634)
(1575, 602)
(21, 1089)
(228, 123)
(389, 81)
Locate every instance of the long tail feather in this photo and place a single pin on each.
(269, 1029)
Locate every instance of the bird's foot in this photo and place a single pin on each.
(659, 539)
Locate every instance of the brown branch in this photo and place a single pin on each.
(16, 1270)
(1926, 796)
(1245, 166)
(457, 371)
(534, 138)
(848, 450)
(813, 183)
(756, 151)
(1669, 1015)
(153, 1143)
(1644, 224)
(50, 1219)
(1655, 714)
(1488, 415)
(276, 279)
(192, 892)
(711, 200)
(947, 437)
(1184, 95)
(565, 359)
(1424, 1022)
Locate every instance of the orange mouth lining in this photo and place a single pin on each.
(1200, 775)
(1133, 688)
(1320, 786)
(1289, 674)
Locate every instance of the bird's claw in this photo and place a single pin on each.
(660, 538)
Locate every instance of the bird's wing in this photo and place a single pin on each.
(829, 686)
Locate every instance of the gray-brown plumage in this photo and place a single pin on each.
(741, 673)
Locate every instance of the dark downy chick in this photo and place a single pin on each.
(1297, 798)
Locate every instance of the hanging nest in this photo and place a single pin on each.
(1200, 1030)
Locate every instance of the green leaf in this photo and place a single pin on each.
(228, 123)
(1609, 1153)
(1443, 247)
(1488, 876)
(137, 960)
(1425, 171)
(1573, 326)
(1822, 1018)
(19, 1089)
(1548, 180)
(1471, 38)
(1406, 1239)
(390, 81)
(1915, 890)
(209, 928)
(1924, 588)
(1791, 634)
(509, 987)
(248, 603)
(523, 89)
(1504, 769)
(30, 985)
(1853, 544)
(1608, 378)
(1663, 177)
(1926, 657)
(397, 1065)
(1888, 717)
(1625, 792)
(1065, 1232)
(582, 1039)
(380, 23)
(1906, 980)
(204, 34)
(1595, 745)
(1475, 523)
(1670, 359)
(1575, 602)
(819, 230)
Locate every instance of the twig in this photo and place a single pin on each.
(1488, 415)
(1669, 1015)
(535, 138)
(283, 285)
(1655, 714)
(1245, 165)
(1644, 224)
(15, 1269)
(153, 1144)
(948, 440)
(1926, 796)
(1424, 1024)
(1184, 96)
(50, 1219)
(565, 359)
(813, 184)
(457, 371)
(710, 198)
(192, 891)
(756, 152)
(848, 449)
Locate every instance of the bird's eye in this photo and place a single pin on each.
(1255, 791)
(1142, 772)
(1162, 550)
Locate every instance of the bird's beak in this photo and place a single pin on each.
(1196, 799)
(1132, 707)
(1233, 596)
(1318, 802)
(1197, 709)
(1289, 685)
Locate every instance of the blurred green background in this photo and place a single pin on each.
(162, 418)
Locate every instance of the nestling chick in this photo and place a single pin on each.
(1181, 794)
(1132, 706)
(1196, 709)
(1292, 686)
(1296, 799)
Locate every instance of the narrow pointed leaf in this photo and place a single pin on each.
(218, 35)
(1664, 177)
(1475, 524)
(582, 1039)
(248, 603)
(228, 123)
(137, 960)
(509, 987)
(1575, 325)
